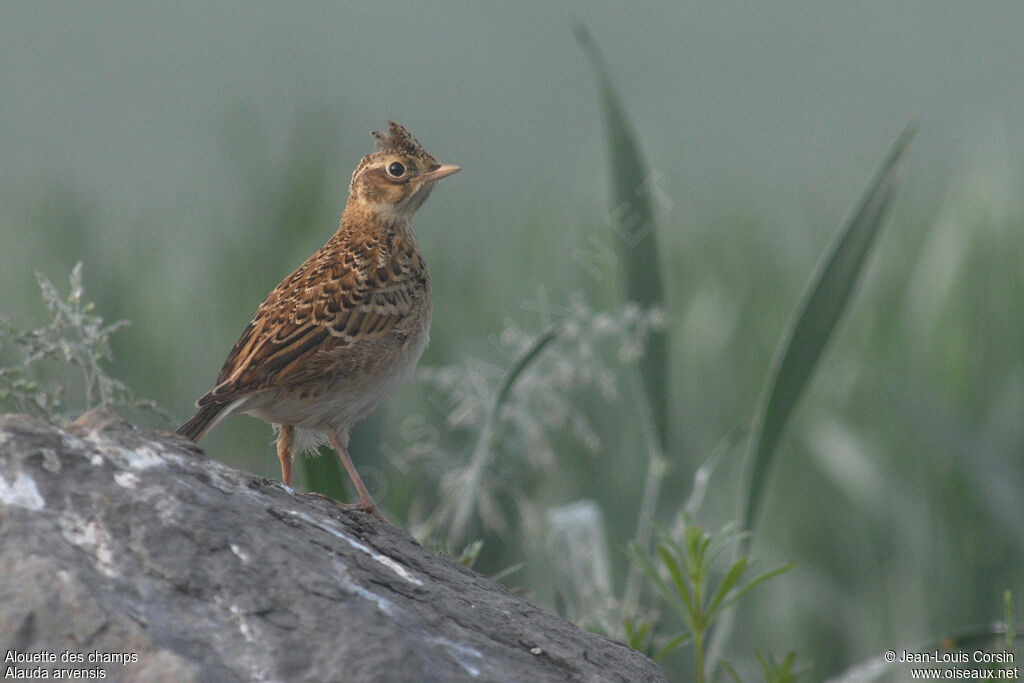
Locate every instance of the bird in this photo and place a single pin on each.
(346, 329)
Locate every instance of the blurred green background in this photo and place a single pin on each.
(191, 155)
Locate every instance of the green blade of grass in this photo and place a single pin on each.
(821, 307)
(639, 556)
(681, 639)
(757, 582)
(679, 601)
(731, 578)
(676, 574)
(518, 366)
(633, 214)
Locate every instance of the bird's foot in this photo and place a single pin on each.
(367, 507)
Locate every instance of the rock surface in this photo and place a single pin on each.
(122, 544)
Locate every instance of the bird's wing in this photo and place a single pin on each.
(353, 289)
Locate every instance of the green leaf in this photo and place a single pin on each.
(672, 645)
(820, 309)
(644, 562)
(729, 669)
(508, 571)
(779, 672)
(693, 536)
(757, 582)
(636, 634)
(677, 577)
(731, 578)
(640, 557)
(633, 213)
(680, 602)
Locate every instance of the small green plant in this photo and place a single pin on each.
(779, 671)
(683, 573)
(638, 633)
(467, 556)
(74, 339)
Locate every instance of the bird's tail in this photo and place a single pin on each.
(207, 417)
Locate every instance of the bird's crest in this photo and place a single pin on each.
(398, 139)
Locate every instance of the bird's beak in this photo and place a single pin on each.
(442, 171)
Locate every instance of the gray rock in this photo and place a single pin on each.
(118, 543)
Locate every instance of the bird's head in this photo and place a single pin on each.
(394, 181)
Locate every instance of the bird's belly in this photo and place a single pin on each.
(341, 398)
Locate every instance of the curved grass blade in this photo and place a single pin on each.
(633, 217)
(484, 445)
(819, 312)
(520, 364)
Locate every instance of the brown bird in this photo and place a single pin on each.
(345, 330)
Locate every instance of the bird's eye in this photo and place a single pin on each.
(396, 169)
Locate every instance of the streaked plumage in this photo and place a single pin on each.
(345, 330)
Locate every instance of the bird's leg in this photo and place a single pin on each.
(285, 451)
(365, 503)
